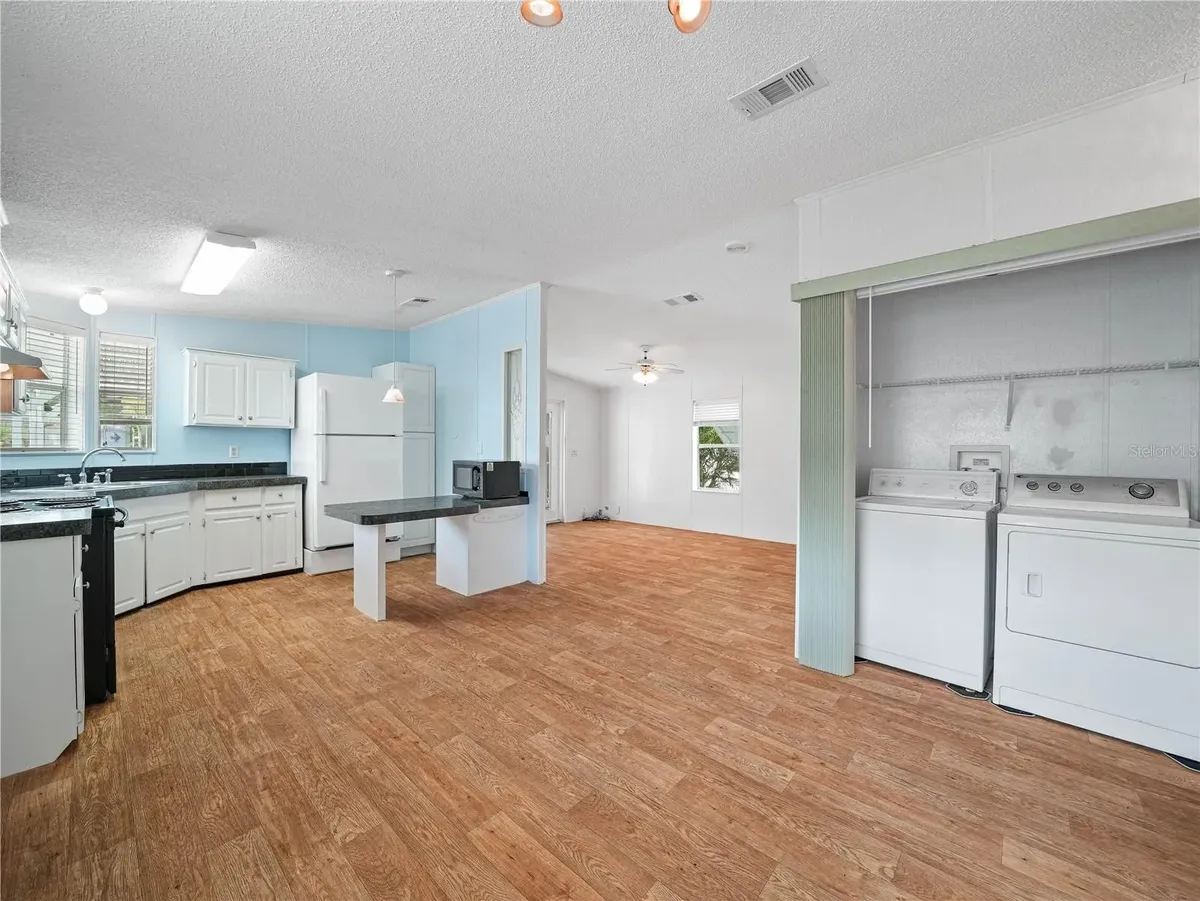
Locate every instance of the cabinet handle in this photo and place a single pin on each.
(268, 516)
(235, 497)
(239, 419)
(260, 516)
(249, 417)
(152, 531)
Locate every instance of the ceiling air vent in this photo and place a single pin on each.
(780, 89)
(682, 299)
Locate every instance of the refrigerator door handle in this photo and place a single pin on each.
(321, 442)
(322, 400)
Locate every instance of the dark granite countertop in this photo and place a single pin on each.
(408, 509)
(179, 486)
(42, 523)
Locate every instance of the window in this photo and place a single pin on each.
(514, 404)
(717, 440)
(47, 415)
(126, 392)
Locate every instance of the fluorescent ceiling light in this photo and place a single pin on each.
(216, 263)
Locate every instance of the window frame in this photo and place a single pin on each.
(98, 423)
(82, 398)
(698, 424)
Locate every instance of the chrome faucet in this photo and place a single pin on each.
(88, 456)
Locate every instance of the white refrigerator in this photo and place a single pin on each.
(349, 445)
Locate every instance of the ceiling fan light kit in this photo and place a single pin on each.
(542, 13)
(645, 370)
(689, 15)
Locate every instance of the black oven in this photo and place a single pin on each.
(487, 479)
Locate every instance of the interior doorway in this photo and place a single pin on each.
(553, 434)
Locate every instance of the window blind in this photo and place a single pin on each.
(716, 411)
(126, 391)
(49, 412)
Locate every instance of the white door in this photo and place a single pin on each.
(129, 567)
(554, 460)
(279, 550)
(348, 405)
(270, 393)
(350, 468)
(418, 398)
(418, 482)
(218, 389)
(232, 544)
(168, 556)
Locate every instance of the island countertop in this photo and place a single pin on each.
(409, 509)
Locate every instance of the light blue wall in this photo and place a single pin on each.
(316, 348)
(467, 352)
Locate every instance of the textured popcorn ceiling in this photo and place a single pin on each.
(454, 140)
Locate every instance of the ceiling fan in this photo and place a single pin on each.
(646, 370)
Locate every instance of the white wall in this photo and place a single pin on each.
(583, 449)
(648, 441)
(1133, 152)
(1138, 307)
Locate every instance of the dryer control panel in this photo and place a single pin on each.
(935, 484)
(1100, 494)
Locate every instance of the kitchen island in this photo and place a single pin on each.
(481, 544)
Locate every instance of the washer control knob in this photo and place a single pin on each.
(1053, 486)
(1032, 486)
(1077, 487)
(970, 488)
(1141, 491)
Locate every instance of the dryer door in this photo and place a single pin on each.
(1127, 595)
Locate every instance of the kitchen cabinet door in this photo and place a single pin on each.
(270, 393)
(217, 389)
(418, 482)
(129, 567)
(417, 385)
(232, 543)
(280, 534)
(168, 556)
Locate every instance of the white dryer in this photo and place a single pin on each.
(1098, 607)
(925, 542)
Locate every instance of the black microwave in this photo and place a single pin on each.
(487, 479)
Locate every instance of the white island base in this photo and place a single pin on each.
(482, 552)
(477, 549)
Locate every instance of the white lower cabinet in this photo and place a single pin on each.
(173, 542)
(168, 556)
(232, 543)
(129, 566)
(280, 537)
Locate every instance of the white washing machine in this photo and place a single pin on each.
(925, 546)
(1098, 607)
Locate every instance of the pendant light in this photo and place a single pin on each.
(394, 395)
(689, 15)
(542, 13)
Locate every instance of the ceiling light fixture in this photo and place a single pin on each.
(645, 376)
(542, 13)
(689, 15)
(217, 261)
(92, 302)
(394, 395)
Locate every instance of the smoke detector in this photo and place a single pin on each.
(683, 299)
(779, 90)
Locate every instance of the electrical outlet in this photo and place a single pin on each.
(233, 451)
(574, 453)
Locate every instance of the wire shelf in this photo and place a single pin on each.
(1167, 365)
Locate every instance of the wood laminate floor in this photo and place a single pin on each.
(635, 730)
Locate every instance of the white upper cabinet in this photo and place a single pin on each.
(270, 393)
(417, 383)
(239, 391)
